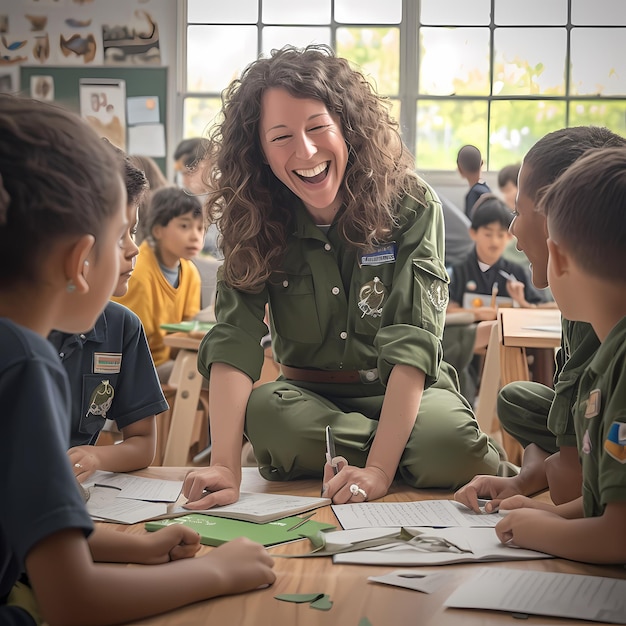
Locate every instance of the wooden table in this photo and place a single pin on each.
(353, 596)
(187, 382)
(520, 329)
(515, 331)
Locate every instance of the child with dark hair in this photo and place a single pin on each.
(507, 183)
(585, 211)
(537, 415)
(165, 285)
(484, 271)
(469, 162)
(110, 368)
(63, 212)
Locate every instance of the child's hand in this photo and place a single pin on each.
(522, 527)
(496, 488)
(485, 313)
(242, 565)
(84, 462)
(515, 288)
(170, 543)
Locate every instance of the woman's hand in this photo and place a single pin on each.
(212, 486)
(371, 481)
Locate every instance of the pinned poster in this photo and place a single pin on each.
(103, 105)
(143, 110)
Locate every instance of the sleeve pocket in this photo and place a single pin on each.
(431, 294)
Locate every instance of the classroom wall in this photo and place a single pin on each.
(91, 38)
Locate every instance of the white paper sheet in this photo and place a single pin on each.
(104, 504)
(426, 582)
(138, 487)
(543, 593)
(408, 514)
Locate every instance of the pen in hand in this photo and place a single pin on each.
(330, 449)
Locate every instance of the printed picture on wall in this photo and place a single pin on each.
(132, 44)
(103, 105)
(42, 88)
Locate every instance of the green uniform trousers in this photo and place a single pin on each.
(285, 422)
(523, 409)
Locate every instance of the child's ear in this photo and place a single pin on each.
(559, 259)
(77, 264)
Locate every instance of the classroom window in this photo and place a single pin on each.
(496, 73)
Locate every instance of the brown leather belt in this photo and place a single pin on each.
(329, 376)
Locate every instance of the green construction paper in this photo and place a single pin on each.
(188, 326)
(300, 598)
(215, 531)
(364, 622)
(323, 604)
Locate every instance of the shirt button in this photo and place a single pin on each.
(335, 291)
(327, 247)
(82, 337)
(61, 354)
(285, 283)
(370, 375)
(343, 335)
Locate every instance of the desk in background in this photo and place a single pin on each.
(506, 361)
(353, 596)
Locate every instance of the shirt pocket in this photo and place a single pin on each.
(431, 294)
(294, 308)
(372, 291)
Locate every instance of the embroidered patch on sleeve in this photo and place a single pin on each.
(615, 443)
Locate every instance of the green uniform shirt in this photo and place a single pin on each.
(334, 308)
(579, 344)
(600, 419)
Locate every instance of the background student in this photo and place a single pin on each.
(473, 283)
(165, 285)
(110, 369)
(538, 416)
(585, 211)
(62, 215)
(156, 180)
(469, 162)
(356, 287)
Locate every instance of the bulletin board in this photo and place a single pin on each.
(144, 81)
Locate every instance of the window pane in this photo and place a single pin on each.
(516, 125)
(377, 53)
(368, 11)
(234, 11)
(598, 12)
(529, 61)
(279, 36)
(456, 12)
(212, 62)
(290, 12)
(199, 114)
(596, 67)
(598, 113)
(530, 12)
(454, 61)
(443, 127)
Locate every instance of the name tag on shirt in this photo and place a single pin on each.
(380, 256)
(107, 362)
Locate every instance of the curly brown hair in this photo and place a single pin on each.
(253, 209)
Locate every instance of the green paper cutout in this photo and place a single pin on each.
(299, 597)
(365, 622)
(323, 604)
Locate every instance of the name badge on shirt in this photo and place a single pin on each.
(107, 363)
(380, 256)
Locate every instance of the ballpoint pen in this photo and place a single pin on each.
(303, 521)
(330, 449)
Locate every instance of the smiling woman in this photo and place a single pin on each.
(326, 224)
